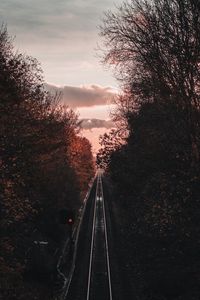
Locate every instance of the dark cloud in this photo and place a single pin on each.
(47, 16)
(61, 34)
(96, 123)
(85, 96)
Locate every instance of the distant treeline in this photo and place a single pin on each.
(153, 157)
(45, 166)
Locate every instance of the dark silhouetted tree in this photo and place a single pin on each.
(155, 49)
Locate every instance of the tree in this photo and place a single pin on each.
(109, 142)
(38, 176)
(155, 47)
(81, 160)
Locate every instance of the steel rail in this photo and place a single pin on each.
(99, 192)
(69, 279)
(106, 239)
(92, 242)
(99, 186)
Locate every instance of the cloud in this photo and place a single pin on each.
(96, 123)
(52, 18)
(85, 96)
(62, 35)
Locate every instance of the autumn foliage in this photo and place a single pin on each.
(44, 166)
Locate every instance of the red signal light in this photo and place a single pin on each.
(70, 221)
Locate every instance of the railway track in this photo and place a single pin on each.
(91, 273)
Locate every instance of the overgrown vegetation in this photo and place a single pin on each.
(153, 155)
(45, 167)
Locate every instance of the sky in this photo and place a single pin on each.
(64, 36)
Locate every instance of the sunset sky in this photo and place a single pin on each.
(63, 36)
